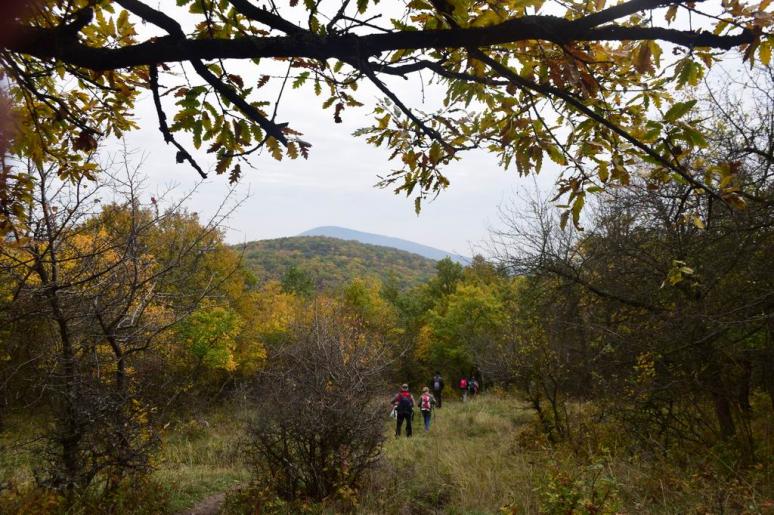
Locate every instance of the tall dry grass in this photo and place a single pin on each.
(469, 462)
(488, 456)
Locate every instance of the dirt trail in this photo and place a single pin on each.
(209, 506)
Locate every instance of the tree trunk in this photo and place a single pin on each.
(724, 415)
(745, 380)
(71, 432)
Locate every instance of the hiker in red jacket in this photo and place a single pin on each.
(404, 406)
(426, 404)
(464, 388)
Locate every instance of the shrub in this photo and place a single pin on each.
(318, 425)
(589, 491)
(140, 496)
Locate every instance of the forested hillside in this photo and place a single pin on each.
(343, 233)
(331, 262)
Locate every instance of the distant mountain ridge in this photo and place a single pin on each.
(343, 233)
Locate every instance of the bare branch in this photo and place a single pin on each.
(182, 153)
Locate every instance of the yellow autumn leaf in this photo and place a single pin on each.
(764, 52)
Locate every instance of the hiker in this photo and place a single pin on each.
(437, 385)
(404, 406)
(472, 386)
(426, 403)
(464, 388)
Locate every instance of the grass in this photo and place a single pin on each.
(197, 458)
(467, 463)
(482, 457)
(487, 456)
(19, 450)
(201, 457)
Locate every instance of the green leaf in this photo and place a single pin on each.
(688, 72)
(274, 148)
(678, 110)
(436, 153)
(300, 79)
(693, 136)
(577, 207)
(556, 155)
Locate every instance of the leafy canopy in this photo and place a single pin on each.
(587, 84)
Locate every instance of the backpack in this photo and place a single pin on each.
(437, 384)
(405, 404)
(463, 383)
(472, 386)
(424, 402)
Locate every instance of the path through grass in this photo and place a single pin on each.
(468, 462)
(200, 458)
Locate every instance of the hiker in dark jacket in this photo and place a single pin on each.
(404, 406)
(472, 386)
(436, 384)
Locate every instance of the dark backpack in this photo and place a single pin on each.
(405, 404)
(472, 386)
(437, 384)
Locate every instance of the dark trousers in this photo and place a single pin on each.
(401, 417)
(437, 395)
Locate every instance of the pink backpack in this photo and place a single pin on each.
(424, 402)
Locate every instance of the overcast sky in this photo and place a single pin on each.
(335, 186)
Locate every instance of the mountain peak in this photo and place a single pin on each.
(343, 233)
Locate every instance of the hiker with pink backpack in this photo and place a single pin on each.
(464, 388)
(426, 404)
